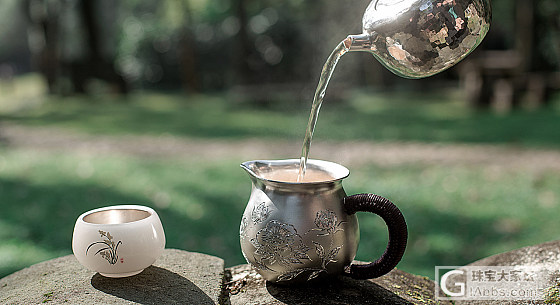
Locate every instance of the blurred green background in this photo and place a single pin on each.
(157, 103)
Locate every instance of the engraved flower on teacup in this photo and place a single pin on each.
(280, 242)
(327, 222)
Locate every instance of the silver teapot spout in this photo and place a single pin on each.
(420, 38)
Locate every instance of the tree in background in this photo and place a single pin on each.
(219, 45)
(68, 44)
(518, 61)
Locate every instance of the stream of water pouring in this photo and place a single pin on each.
(326, 73)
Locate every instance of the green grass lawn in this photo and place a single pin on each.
(43, 194)
(456, 214)
(376, 116)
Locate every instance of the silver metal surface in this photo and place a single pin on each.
(297, 231)
(116, 216)
(419, 38)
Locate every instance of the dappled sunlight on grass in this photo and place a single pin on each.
(43, 194)
(16, 254)
(459, 214)
(364, 115)
(435, 117)
(456, 214)
(155, 114)
(22, 93)
(441, 105)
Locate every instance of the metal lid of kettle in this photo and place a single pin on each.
(420, 38)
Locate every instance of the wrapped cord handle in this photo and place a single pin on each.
(396, 225)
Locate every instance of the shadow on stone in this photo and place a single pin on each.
(154, 285)
(335, 291)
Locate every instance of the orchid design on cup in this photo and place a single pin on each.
(109, 250)
(118, 241)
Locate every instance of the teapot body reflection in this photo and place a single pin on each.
(420, 38)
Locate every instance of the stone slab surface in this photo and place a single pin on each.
(180, 277)
(545, 256)
(247, 287)
(177, 277)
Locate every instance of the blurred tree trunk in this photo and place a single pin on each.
(44, 39)
(499, 78)
(94, 65)
(545, 58)
(187, 53)
(243, 45)
(187, 58)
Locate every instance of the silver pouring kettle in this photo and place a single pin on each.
(420, 38)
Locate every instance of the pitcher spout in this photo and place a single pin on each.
(249, 168)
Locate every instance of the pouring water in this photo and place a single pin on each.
(411, 38)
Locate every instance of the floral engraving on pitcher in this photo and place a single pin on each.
(260, 264)
(326, 258)
(243, 228)
(260, 213)
(327, 222)
(279, 243)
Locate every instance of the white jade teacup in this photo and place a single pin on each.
(118, 241)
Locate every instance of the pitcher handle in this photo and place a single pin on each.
(396, 225)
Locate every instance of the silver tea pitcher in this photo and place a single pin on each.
(299, 231)
(420, 38)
